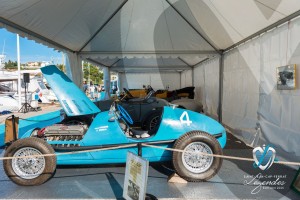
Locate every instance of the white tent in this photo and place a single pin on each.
(228, 50)
(139, 28)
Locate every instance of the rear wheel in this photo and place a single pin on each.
(152, 121)
(196, 167)
(33, 170)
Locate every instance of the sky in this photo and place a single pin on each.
(29, 50)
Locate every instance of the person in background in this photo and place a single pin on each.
(85, 87)
(114, 89)
(99, 91)
(92, 90)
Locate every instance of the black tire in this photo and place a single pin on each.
(47, 166)
(152, 121)
(213, 166)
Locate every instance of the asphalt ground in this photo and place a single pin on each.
(44, 108)
(235, 180)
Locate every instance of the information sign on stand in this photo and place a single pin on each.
(136, 174)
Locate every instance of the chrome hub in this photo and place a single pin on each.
(194, 161)
(28, 168)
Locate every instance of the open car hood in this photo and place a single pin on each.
(71, 98)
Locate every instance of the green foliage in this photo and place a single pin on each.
(95, 74)
(61, 67)
(11, 65)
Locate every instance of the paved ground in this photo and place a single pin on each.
(106, 182)
(45, 108)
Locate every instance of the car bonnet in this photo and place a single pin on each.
(71, 98)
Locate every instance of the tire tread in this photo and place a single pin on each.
(43, 147)
(186, 137)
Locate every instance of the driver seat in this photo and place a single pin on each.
(139, 133)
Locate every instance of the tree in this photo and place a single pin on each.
(10, 65)
(61, 67)
(95, 74)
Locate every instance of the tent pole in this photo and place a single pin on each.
(19, 71)
(187, 64)
(115, 62)
(106, 80)
(221, 73)
(193, 82)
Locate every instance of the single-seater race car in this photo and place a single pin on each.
(178, 128)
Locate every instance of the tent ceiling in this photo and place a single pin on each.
(148, 63)
(225, 23)
(142, 33)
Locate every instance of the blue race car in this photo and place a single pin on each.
(83, 141)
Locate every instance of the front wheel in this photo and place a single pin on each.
(196, 167)
(33, 170)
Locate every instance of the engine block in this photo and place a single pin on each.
(61, 132)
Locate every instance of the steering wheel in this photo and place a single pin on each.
(128, 93)
(124, 114)
(149, 88)
(149, 94)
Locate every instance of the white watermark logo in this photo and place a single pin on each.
(264, 157)
(261, 181)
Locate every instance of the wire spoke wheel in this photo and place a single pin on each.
(195, 162)
(153, 122)
(28, 168)
(191, 164)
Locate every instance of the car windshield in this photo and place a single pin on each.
(114, 115)
(113, 112)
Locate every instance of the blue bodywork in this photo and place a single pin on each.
(31, 123)
(71, 98)
(106, 132)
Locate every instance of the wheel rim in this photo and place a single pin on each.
(197, 163)
(28, 168)
(153, 122)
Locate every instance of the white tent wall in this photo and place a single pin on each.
(206, 82)
(74, 68)
(158, 80)
(186, 78)
(199, 85)
(279, 110)
(253, 108)
(241, 89)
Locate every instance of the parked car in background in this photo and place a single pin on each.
(146, 111)
(187, 92)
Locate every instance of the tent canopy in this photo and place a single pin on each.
(126, 34)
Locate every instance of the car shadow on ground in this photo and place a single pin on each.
(233, 178)
(120, 167)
